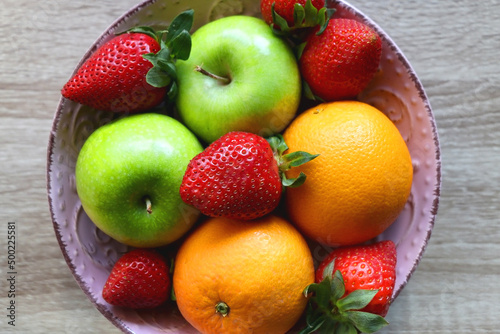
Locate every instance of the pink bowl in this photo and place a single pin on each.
(90, 254)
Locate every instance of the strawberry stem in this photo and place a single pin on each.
(333, 312)
(304, 16)
(223, 80)
(287, 161)
(175, 43)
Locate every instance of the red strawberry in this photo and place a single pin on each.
(354, 283)
(366, 267)
(240, 176)
(288, 10)
(133, 71)
(341, 61)
(139, 279)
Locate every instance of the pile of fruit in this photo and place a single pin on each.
(237, 150)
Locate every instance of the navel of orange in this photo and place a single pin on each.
(361, 181)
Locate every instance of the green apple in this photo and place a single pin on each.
(239, 76)
(128, 175)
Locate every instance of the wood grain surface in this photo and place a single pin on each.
(452, 45)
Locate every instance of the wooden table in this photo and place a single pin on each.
(453, 46)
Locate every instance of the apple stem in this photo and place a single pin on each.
(148, 205)
(200, 69)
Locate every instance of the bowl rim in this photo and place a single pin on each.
(117, 322)
(435, 136)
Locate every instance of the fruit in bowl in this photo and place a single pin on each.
(394, 90)
(128, 174)
(247, 80)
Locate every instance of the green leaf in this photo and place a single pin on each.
(143, 30)
(175, 43)
(278, 145)
(168, 67)
(299, 49)
(311, 14)
(366, 322)
(182, 22)
(356, 300)
(308, 94)
(181, 45)
(164, 54)
(285, 162)
(298, 158)
(327, 313)
(328, 270)
(172, 295)
(322, 20)
(314, 321)
(325, 16)
(172, 93)
(294, 182)
(330, 12)
(299, 14)
(311, 288)
(163, 70)
(337, 286)
(346, 328)
(321, 294)
(156, 77)
(313, 326)
(279, 21)
(152, 57)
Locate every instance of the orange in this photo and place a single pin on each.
(361, 180)
(235, 276)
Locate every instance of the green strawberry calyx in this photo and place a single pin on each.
(287, 161)
(175, 43)
(306, 16)
(330, 312)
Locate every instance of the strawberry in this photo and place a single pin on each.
(353, 289)
(340, 62)
(133, 71)
(286, 15)
(240, 176)
(139, 279)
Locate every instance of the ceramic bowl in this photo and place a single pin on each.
(90, 254)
